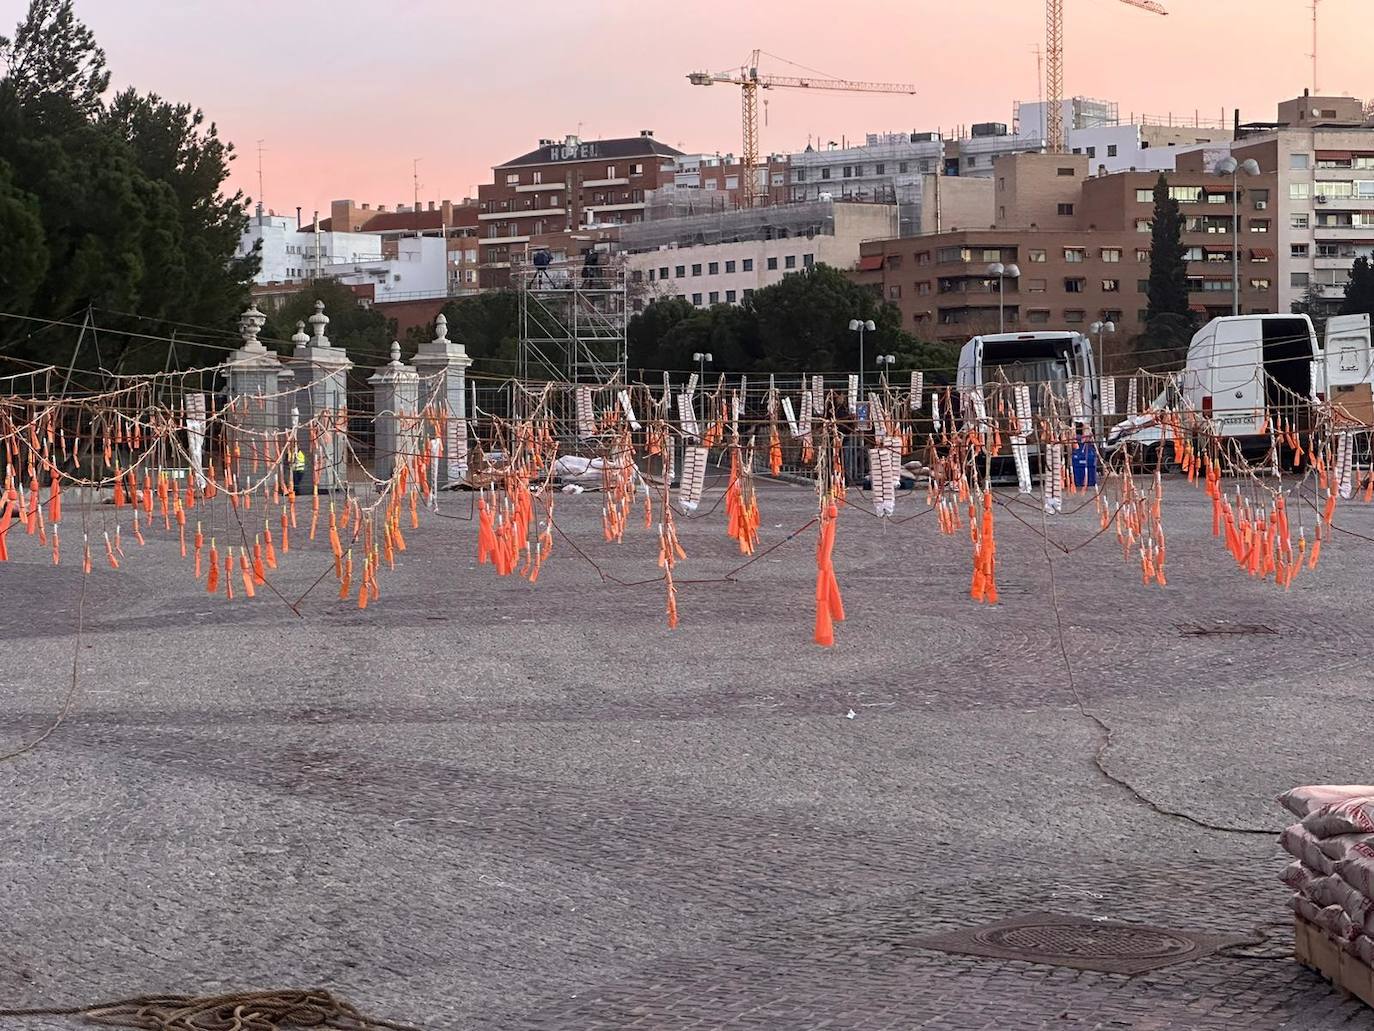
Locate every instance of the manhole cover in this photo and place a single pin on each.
(1070, 941)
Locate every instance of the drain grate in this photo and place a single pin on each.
(1221, 629)
(1070, 941)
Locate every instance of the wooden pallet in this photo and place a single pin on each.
(1315, 949)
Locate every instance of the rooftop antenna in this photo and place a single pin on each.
(260, 190)
(415, 175)
(1315, 5)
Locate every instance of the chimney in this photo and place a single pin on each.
(431, 205)
(298, 217)
(381, 207)
(367, 207)
(646, 132)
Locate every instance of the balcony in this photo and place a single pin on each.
(605, 182)
(631, 206)
(488, 241)
(521, 213)
(538, 187)
(1362, 233)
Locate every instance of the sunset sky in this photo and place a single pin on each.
(345, 94)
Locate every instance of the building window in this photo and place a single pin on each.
(610, 171)
(512, 178)
(1143, 225)
(1035, 257)
(680, 271)
(1142, 286)
(894, 292)
(799, 175)
(1074, 255)
(772, 264)
(1144, 196)
(1259, 284)
(1298, 161)
(923, 257)
(1299, 191)
(1074, 286)
(923, 288)
(715, 297)
(1036, 286)
(696, 269)
(732, 182)
(972, 161)
(1002, 212)
(848, 171)
(713, 268)
(651, 275)
(1141, 255)
(1298, 250)
(901, 167)
(790, 261)
(1038, 316)
(636, 169)
(729, 267)
(880, 169)
(1111, 150)
(729, 297)
(1066, 209)
(1074, 315)
(1111, 254)
(808, 260)
(747, 265)
(637, 276)
(696, 299)
(1092, 152)
(1259, 225)
(1065, 172)
(1111, 286)
(825, 173)
(1186, 194)
(748, 294)
(1298, 279)
(663, 272)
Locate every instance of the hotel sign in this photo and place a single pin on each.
(563, 152)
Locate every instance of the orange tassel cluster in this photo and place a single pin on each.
(829, 604)
(984, 586)
(741, 507)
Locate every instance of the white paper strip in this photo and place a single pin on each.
(807, 415)
(1109, 395)
(693, 478)
(790, 414)
(1345, 455)
(853, 393)
(917, 386)
(629, 411)
(686, 415)
(1023, 409)
(877, 415)
(1052, 478)
(586, 423)
(1132, 397)
(1021, 454)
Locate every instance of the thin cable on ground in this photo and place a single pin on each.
(1107, 732)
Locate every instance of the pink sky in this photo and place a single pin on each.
(345, 94)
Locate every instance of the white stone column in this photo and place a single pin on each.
(442, 367)
(396, 389)
(252, 419)
(321, 372)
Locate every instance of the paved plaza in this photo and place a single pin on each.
(485, 805)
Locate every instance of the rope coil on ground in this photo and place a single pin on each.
(280, 1010)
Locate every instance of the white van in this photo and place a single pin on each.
(1056, 359)
(1240, 368)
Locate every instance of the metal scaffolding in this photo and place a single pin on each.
(572, 319)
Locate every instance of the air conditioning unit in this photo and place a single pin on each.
(1261, 205)
(1320, 199)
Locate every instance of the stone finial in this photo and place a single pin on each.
(250, 325)
(396, 353)
(318, 322)
(441, 329)
(299, 338)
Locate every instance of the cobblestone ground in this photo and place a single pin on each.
(485, 805)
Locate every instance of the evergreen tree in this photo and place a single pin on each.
(1168, 290)
(1359, 289)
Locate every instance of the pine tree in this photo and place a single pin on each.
(1168, 291)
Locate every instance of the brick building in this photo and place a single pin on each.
(561, 189)
(1083, 249)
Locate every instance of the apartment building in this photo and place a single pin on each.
(1082, 246)
(562, 188)
(291, 253)
(1321, 149)
(723, 258)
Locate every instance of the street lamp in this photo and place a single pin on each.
(884, 359)
(701, 358)
(861, 326)
(1230, 166)
(1002, 273)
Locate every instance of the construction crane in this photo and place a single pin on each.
(748, 79)
(1054, 72)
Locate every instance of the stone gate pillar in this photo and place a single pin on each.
(321, 376)
(442, 367)
(396, 389)
(253, 427)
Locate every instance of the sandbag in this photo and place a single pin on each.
(1351, 816)
(1303, 800)
(1302, 845)
(1335, 848)
(1357, 870)
(1299, 878)
(1331, 919)
(1362, 948)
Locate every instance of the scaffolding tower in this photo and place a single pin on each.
(572, 319)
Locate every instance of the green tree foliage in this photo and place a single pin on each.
(488, 325)
(1359, 290)
(117, 208)
(798, 325)
(1168, 290)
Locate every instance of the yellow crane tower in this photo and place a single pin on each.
(748, 79)
(1054, 70)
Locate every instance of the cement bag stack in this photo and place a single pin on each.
(1332, 877)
